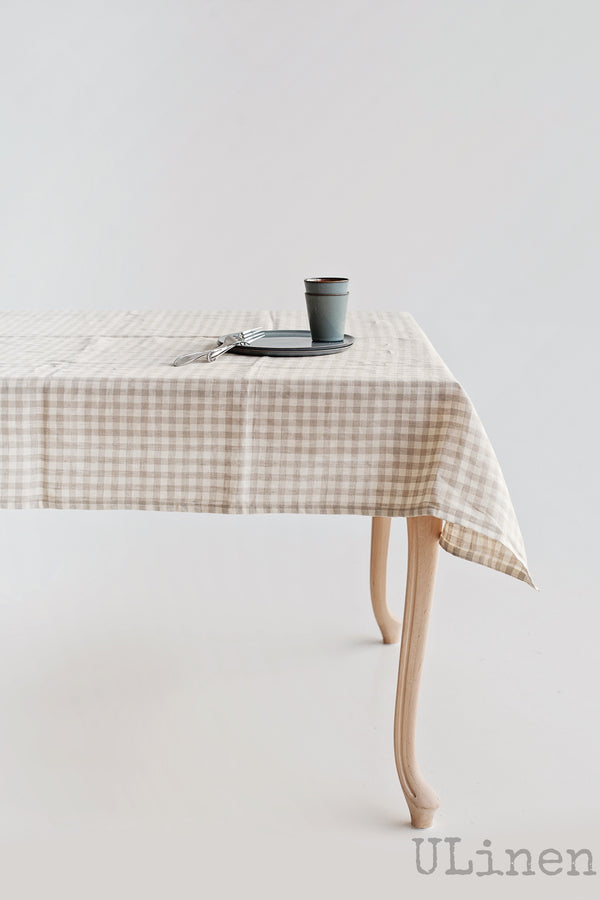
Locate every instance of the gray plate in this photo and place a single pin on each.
(291, 343)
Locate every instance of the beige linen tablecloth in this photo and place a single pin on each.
(93, 416)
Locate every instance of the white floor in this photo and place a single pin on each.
(221, 725)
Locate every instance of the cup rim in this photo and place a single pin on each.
(329, 279)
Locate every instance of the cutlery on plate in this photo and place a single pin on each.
(237, 339)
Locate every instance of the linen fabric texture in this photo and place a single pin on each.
(94, 416)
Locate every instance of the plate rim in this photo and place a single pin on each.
(321, 349)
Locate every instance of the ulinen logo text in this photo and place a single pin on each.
(494, 862)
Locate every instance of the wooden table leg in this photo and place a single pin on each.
(423, 549)
(389, 625)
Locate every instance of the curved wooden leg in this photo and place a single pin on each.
(423, 549)
(389, 625)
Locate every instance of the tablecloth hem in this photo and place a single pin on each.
(515, 567)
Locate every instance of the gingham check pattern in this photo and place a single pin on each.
(93, 416)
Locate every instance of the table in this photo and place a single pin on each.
(93, 416)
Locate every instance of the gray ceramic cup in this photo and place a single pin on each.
(326, 304)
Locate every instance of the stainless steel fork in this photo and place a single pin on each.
(238, 339)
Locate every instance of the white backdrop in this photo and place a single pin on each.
(157, 721)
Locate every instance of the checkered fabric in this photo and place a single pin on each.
(94, 416)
